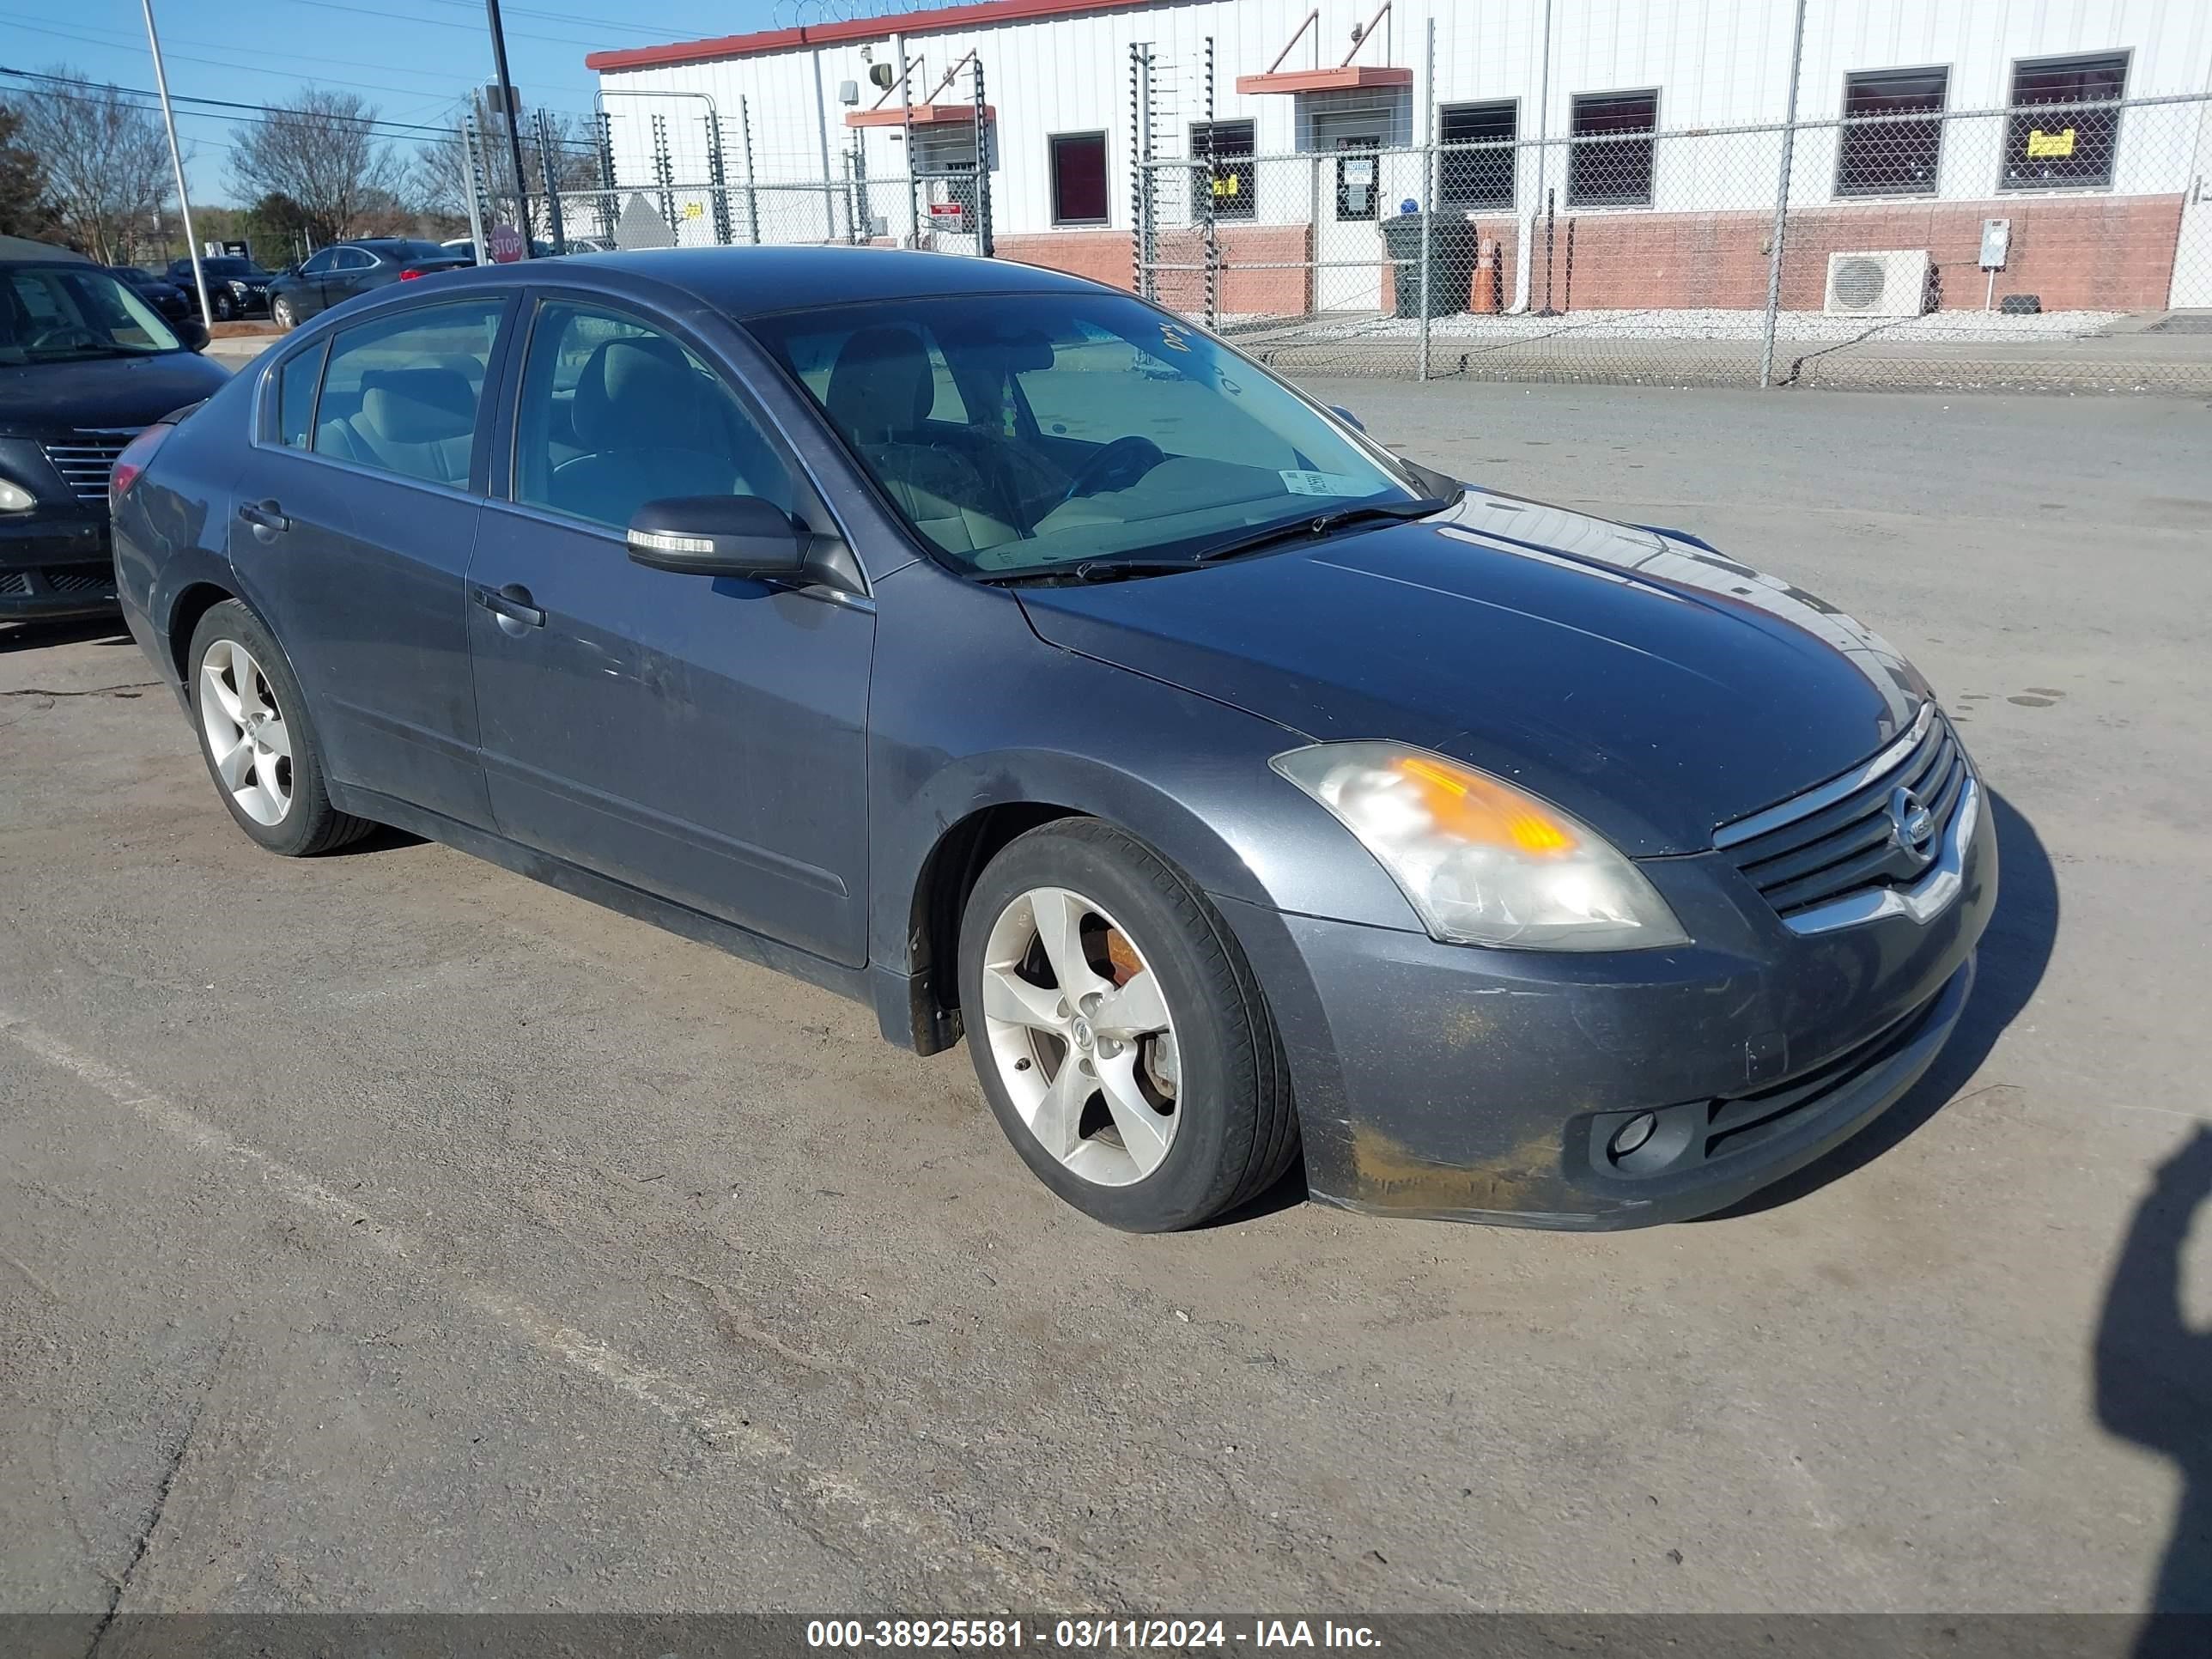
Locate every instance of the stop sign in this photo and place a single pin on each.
(505, 244)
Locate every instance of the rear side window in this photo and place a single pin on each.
(401, 394)
(296, 397)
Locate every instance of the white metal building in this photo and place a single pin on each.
(2111, 204)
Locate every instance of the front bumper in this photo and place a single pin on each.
(1477, 1085)
(54, 566)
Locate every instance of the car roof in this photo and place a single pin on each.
(757, 281)
(22, 251)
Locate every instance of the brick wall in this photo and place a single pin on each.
(2077, 253)
(1104, 256)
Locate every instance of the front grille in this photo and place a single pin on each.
(86, 460)
(1737, 1126)
(82, 578)
(1844, 838)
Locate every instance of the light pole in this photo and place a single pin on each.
(177, 158)
(507, 120)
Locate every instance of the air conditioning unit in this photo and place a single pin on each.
(1891, 282)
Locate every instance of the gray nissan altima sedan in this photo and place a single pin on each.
(1014, 656)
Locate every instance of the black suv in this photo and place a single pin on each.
(86, 364)
(235, 287)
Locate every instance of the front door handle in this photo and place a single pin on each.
(263, 515)
(513, 604)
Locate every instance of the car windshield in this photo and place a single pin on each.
(1031, 432)
(226, 268)
(65, 313)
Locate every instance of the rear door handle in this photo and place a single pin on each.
(511, 602)
(263, 515)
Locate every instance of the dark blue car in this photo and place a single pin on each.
(1012, 655)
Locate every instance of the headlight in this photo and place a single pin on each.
(1481, 861)
(14, 498)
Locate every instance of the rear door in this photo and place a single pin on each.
(356, 513)
(700, 738)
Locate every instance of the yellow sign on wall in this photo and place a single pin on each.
(2041, 143)
(694, 211)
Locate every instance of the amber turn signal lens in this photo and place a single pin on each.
(1481, 810)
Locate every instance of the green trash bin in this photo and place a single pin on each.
(1452, 247)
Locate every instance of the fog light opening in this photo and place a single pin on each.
(1630, 1135)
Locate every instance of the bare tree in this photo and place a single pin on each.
(440, 168)
(107, 161)
(24, 208)
(321, 150)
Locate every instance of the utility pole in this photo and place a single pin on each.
(507, 120)
(177, 158)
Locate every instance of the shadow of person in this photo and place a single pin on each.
(2154, 1386)
(2015, 951)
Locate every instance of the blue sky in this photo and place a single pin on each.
(414, 59)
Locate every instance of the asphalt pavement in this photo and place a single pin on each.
(387, 1232)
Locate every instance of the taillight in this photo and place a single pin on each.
(408, 275)
(132, 463)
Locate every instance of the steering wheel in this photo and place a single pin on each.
(57, 339)
(1117, 466)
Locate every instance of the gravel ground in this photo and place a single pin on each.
(387, 1232)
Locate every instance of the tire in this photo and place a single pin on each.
(282, 315)
(1219, 1092)
(257, 739)
(226, 308)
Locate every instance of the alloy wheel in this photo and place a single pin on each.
(245, 733)
(1079, 1028)
(280, 314)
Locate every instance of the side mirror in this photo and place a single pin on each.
(718, 536)
(192, 333)
(1347, 417)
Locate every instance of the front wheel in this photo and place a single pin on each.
(1118, 1033)
(255, 738)
(226, 307)
(282, 315)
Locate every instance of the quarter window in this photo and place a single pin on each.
(1611, 163)
(1479, 175)
(1223, 152)
(296, 397)
(1880, 153)
(1079, 177)
(2051, 140)
(401, 394)
(615, 413)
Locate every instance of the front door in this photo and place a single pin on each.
(2192, 252)
(703, 738)
(355, 517)
(1347, 252)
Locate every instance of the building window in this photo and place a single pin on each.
(1079, 177)
(1608, 167)
(1880, 153)
(2052, 143)
(1480, 178)
(1223, 151)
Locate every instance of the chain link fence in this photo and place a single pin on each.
(2063, 242)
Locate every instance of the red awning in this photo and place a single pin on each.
(921, 115)
(1349, 78)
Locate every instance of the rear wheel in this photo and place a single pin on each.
(255, 738)
(1118, 1033)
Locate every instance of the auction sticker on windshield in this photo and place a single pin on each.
(1322, 484)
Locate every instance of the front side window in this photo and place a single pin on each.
(1086, 427)
(1611, 164)
(401, 394)
(615, 413)
(319, 262)
(70, 314)
(1079, 177)
(2056, 137)
(1476, 167)
(1223, 152)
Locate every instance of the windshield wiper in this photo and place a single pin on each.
(1250, 541)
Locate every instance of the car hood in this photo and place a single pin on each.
(1651, 687)
(37, 399)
